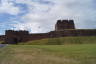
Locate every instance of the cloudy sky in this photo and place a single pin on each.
(39, 16)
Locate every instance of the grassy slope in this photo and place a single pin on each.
(64, 40)
(48, 54)
(1, 42)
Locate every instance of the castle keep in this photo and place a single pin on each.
(63, 28)
(64, 24)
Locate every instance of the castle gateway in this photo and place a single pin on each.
(63, 28)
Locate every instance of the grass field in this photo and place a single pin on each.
(48, 54)
(64, 40)
(1, 42)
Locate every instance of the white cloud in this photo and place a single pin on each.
(42, 17)
(7, 6)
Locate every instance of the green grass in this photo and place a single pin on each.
(1, 42)
(64, 40)
(48, 54)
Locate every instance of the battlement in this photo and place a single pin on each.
(20, 32)
(64, 24)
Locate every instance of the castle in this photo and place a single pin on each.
(63, 28)
(64, 24)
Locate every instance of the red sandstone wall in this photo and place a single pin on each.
(2, 38)
(66, 32)
(16, 36)
(9, 37)
(64, 24)
(37, 36)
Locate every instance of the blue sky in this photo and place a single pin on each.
(38, 16)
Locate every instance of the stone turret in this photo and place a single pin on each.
(64, 24)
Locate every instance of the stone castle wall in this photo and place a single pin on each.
(37, 36)
(63, 28)
(74, 32)
(2, 37)
(12, 37)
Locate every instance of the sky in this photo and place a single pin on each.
(40, 16)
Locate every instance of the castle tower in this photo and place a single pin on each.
(64, 24)
(57, 25)
(13, 37)
(71, 24)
